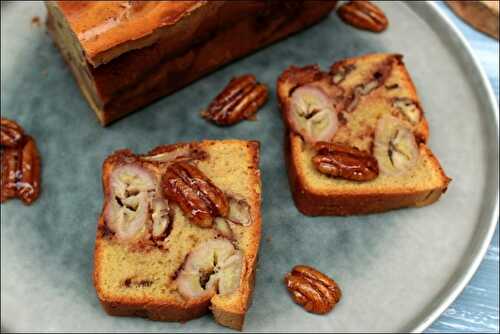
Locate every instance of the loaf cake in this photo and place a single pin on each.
(356, 138)
(179, 232)
(126, 54)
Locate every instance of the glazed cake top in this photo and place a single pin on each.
(106, 29)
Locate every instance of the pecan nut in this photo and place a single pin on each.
(363, 15)
(239, 100)
(313, 290)
(10, 172)
(20, 168)
(345, 162)
(28, 185)
(11, 133)
(195, 194)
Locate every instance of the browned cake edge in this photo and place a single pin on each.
(163, 311)
(312, 203)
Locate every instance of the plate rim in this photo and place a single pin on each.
(461, 277)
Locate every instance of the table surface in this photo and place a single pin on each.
(476, 309)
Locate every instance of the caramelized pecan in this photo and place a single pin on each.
(195, 194)
(363, 15)
(10, 171)
(11, 133)
(28, 184)
(20, 168)
(239, 100)
(345, 162)
(313, 290)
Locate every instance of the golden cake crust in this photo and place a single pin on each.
(200, 42)
(336, 203)
(104, 27)
(228, 313)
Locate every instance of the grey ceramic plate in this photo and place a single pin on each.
(397, 270)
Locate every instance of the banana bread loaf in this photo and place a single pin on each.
(126, 54)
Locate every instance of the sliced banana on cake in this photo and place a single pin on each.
(239, 211)
(127, 210)
(408, 108)
(160, 217)
(213, 267)
(395, 147)
(312, 114)
(223, 228)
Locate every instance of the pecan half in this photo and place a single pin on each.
(363, 15)
(345, 162)
(11, 133)
(28, 184)
(313, 290)
(195, 194)
(10, 172)
(239, 100)
(20, 168)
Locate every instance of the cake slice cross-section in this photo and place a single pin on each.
(179, 232)
(356, 139)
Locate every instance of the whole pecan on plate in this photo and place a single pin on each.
(28, 184)
(239, 100)
(11, 133)
(342, 161)
(20, 164)
(196, 195)
(363, 15)
(313, 290)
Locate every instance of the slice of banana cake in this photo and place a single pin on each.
(356, 138)
(179, 232)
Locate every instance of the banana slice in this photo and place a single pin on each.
(127, 210)
(159, 217)
(408, 108)
(395, 147)
(212, 267)
(312, 114)
(229, 274)
(239, 211)
(222, 226)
